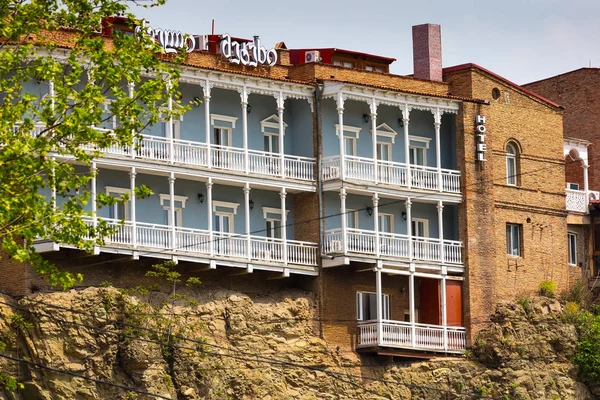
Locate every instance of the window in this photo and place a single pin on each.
(165, 202)
(420, 227)
(572, 248)
(223, 127)
(417, 155)
(224, 213)
(270, 129)
(349, 146)
(384, 151)
(511, 164)
(351, 219)
(366, 306)
(119, 210)
(386, 223)
(271, 143)
(222, 136)
(351, 134)
(573, 186)
(513, 239)
(272, 218)
(348, 64)
(374, 68)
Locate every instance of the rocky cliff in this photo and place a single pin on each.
(214, 344)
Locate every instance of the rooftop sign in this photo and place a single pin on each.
(251, 54)
(170, 41)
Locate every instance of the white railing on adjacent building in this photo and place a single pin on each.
(392, 245)
(400, 334)
(391, 173)
(198, 242)
(577, 200)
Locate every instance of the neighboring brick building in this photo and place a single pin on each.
(578, 92)
(410, 204)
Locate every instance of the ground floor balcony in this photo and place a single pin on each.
(578, 201)
(392, 246)
(221, 158)
(391, 173)
(411, 336)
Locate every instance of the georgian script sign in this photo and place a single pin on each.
(481, 145)
(251, 54)
(170, 41)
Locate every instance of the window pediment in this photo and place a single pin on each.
(271, 123)
(384, 130)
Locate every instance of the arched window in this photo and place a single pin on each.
(511, 164)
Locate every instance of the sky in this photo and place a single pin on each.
(522, 40)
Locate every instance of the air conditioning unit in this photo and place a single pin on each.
(312, 56)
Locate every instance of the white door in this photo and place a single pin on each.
(223, 224)
(385, 223)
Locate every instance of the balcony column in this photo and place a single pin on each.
(376, 223)
(130, 89)
(172, 210)
(411, 305)
(170, 126)
(379, 302)
(206, 90)
(280, 109)
(373, 107)
(282, 194)
(408, 205)
(405, 121)
(344, 220)
(244, 97)
(444, 311)
(209, 213)
(53, 188)
(586, 184)
(340, 110)
(247, 218)
(437, 118)
(440, 209)
(94, 202)
(132, 175)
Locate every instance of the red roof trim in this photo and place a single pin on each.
(529, 92)
(356, 53)
(564, 73)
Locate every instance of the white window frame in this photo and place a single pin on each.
(389, 149)
(271, 136)
(385, 305)
(271, 122)
(510, 241)
(229, 134)
(350, 132)
(511, 180)
(231, 212)
(113, 119)
(572, 254)
(176, 126)
(273, 211)
(165, 202)
(110, 190)
(382, 214)
(572, 186)
(425, 222)
(384, 130)
(352, 213)
(219, 121)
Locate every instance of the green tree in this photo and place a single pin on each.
(40, 128)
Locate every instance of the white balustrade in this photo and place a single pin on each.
(399, 334)
(230, 158)
(392, 245)
(193, 240)
(188, 152)
(391, 173)
(302, 253)
(153, 236)
(301, 168)
(577, 201)
(264, 163)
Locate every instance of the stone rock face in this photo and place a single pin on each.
(228, 345)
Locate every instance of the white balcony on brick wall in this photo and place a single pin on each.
(392, 173)
(405, 335)
(577, 201)
(222, 158)
(199, 242)
(392, 245)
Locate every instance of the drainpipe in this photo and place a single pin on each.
(319, 157)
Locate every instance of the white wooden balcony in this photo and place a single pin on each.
(392, 245)
(391, 173)
(406, 335)
(577, 201)
(224, 158)
(199, 242)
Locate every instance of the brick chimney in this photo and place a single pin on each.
(427, 52)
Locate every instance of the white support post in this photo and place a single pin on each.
(53, 189)
(132, 175)
(170, 126)
(244, 97)
(211, 242)
(172, 210)
(247, 218)
(376, 224)
(440, 209)
(379, 302)
(405, 122)
(373, 107)
(130, 89)
(586, 184)
(444, 312)
(280, 109)
(282, 194)
(437, 117)
(51, 94)
(94, 201)
(408, 205)
(206, 89)
(340, 110)
(411, 305)
(344, 220)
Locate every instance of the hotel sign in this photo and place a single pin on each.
(251, 54)
(481, 145)
(170, 41)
